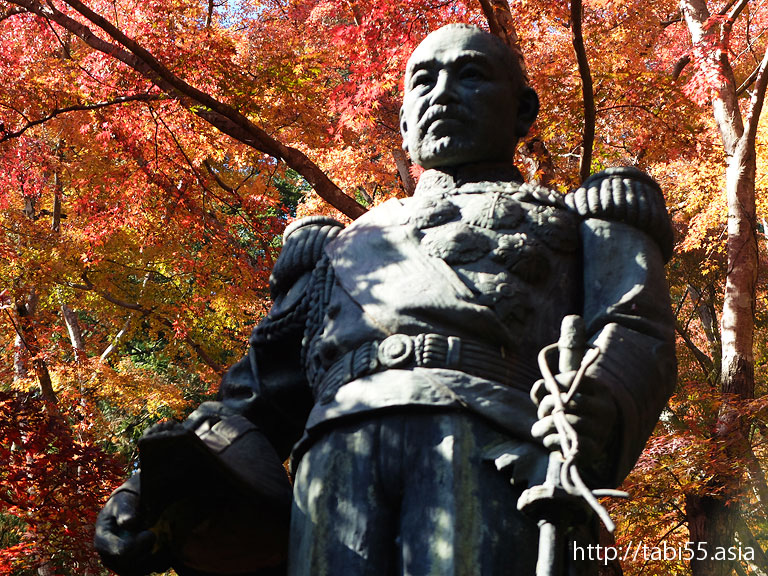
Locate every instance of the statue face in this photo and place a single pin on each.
(461, 101)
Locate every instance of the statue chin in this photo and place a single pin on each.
(445, 152)
(452, 150)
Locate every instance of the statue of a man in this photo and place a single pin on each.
(398, 359)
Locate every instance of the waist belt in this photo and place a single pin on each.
(423, 350)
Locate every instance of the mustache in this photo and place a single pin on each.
(442, 112)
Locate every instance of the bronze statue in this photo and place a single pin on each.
(397, 364)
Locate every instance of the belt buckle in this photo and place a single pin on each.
(396, 351)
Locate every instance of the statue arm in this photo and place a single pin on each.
(264, 397)
(627, 310)
(269, 386)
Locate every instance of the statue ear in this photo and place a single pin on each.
(527, 110)
(403, 129)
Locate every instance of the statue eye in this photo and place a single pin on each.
(422, 78)
(472, 73)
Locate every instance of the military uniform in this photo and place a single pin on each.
(401, 351)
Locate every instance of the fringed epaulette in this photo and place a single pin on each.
(303, 243)
(626, 195)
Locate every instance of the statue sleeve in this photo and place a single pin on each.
(269, 386)
(628, 315)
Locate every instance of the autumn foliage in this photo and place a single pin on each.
(151, 153)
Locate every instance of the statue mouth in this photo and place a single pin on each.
(441, 117)
(444, 128)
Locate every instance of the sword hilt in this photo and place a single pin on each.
(553, 507)
(572, 343)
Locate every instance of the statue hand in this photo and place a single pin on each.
(124, 545)
(591, 412)
(208, 414)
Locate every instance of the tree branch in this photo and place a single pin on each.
(748, 81)
(748, 539)
(587, 90)
(739, 570)
(162, 181)
(74, 331)
(707, 315)
(116, 340)
(757, 477)
(728, 5)
(732, 12)
(704, 361)
(5, 135)
(757, 99)
(672, 19)
(209, 218)
(680, 65)
(12, 11)
(88, 285)
(220, 115)
(25, 307)
(403, 169)
(223, 185)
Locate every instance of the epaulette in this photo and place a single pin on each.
(626, 195)
(303, 243)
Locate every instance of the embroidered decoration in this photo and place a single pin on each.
(456, 243)
(556, 228)
(494, 211)
(523, 256)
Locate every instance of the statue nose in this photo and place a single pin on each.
(444, 90)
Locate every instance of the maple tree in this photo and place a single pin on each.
(152, 152)
(713, 515)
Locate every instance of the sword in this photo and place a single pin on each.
(563, 498)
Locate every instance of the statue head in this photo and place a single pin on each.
(465, 99)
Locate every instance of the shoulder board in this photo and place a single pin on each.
(625, 195)
(303, 243)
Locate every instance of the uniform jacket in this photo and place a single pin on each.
(477, 269)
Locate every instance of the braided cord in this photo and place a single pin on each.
(570, 478)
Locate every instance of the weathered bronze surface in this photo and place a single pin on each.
(397, 365)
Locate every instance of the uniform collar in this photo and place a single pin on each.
(437, 181)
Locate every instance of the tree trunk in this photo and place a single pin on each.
(715, 525)
(25, 308)
(75, 334)
(608, 567)
(737, 321)
(20, 359)
(57, 190)
(501, 24)
(712, 523)
(537, 162)
(401, 161)
(710, 518)
(758, 565)
(587, 91)
(705, 309)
